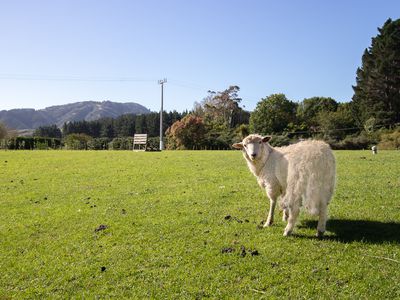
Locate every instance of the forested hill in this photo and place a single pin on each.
(60, 114)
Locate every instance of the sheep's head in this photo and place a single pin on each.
(252, 146)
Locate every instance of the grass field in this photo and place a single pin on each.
(167, 233)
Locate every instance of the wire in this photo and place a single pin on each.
(73, 78)
(36, 77)
(189, 85)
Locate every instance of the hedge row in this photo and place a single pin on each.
(74, 142)
(30, 143)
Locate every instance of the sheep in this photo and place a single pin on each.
(374, 149)
(301, 174)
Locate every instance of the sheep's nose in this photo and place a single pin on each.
(253, 155)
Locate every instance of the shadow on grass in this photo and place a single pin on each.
(373, 232)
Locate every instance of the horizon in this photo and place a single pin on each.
(69, 51)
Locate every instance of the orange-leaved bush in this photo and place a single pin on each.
(187, 133)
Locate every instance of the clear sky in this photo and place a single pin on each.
(61, 51)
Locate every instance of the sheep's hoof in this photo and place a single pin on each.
(320, 234)
(287, 233)
(268, 224)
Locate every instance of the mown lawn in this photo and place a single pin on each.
(184, 225)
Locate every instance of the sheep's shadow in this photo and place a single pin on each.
(346, 231)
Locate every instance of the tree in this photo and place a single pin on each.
(187, 133)
(77, 141)
(377, 90)
(94, 128)
(78, 127)
(107, 128)
(273, 114)
(49, 131)
(309, 109)
(221, 115)
(242, 131)
(122, 126)
(337, 124)
(220, 107)
(153, 123)
(140, 124)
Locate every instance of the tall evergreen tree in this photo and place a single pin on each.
(140, 124)
(49, 131)
(377, 90)
(107, 128)
(153, 123)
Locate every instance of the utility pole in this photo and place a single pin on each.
(161, 112)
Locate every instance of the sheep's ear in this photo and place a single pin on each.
(238, 145)
(266, 138)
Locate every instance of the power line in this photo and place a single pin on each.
(188, 85)
(35, 77)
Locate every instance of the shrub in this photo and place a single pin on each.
(242, 131)
(78, 141)
(187, 133)
(121, 143)
(353, 142)
(390, 141)
(153, 143)
(30, 143)
(99, 144)
(126, 143)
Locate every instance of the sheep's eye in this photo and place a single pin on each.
(245, 145)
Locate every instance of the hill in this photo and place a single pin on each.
(86, 110)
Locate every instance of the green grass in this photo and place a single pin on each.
(166, 228)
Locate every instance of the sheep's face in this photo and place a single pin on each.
(252, 146)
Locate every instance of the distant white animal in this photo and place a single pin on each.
(374, 149)
(302, 174)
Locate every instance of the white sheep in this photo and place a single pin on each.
(374, 149)
(301, 174)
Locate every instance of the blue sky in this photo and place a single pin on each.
(62, 51)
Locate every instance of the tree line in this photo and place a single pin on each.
(122, 126)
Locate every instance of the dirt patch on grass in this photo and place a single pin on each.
(230, 218)
(101, 227)
(227, 250)
(241, 250)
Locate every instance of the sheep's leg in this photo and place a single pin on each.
(285, 215)
(273, 195)
(270, 219)
(293, 214)
(321, 227)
